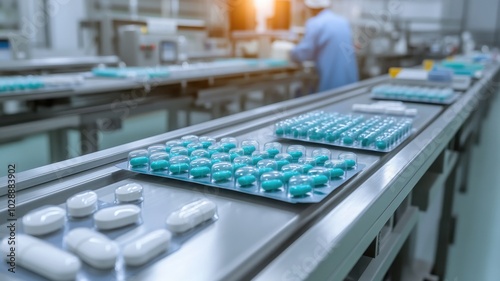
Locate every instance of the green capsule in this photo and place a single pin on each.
(271, 185)
(222, 176)
(350, 163)
(296, 154)
(139, 161)
(280, 131)
(248, 149)
(256, 160)
(320, 180)
(247, 180)
(300, 190)
(265, 170)
(159, 165)
(382, 145)
(348, 140)
(288, 175)
(336, 173)
(307, 167)
(200, 172)
(228, 146)
(206, 144)
(273, 152)
(179, 168)
(282, 163)
(321, 159)
(238, 166)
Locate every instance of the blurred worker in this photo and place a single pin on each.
(328, 42)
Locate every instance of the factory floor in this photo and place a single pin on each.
(478, 233)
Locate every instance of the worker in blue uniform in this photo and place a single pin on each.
(328, 41)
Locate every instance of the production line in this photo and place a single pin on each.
(358, 229)
(85, 97)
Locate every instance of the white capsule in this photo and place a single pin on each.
(41, 258)
(191, 215)
(82, 204)
(129, 192)
(43, 221)
(146, 248)
(115, 217)
(92, 247)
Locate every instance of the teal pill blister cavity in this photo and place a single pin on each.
(272, 181)
(222, 172)
(246, 177)
(200, 168)
(159, 161)
(138, 158)
(300, 186)
(179, 164)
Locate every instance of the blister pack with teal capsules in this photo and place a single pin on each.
(375, 133)
(131, 72)
(292, 174)
(420, 94)
(20, 83)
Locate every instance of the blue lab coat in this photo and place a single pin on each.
(328, 42)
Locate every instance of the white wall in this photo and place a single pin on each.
(64, 21)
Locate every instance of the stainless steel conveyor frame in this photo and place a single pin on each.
(287, 242)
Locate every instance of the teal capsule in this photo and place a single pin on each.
(321, 159)
(234, 156)
(382, 145)
(320, 180)
(280, 131)
(265, 170)
(256, 160)
(222, 176)
(200, 172)
(307, 167)
(271, 185)
(159, 165)
(300, 190)
(350, 163)
(288, 175)
(282, 163)
(238, 166)
(228, 146)
(179, 168)
(206, 144)
(273, 152)
(348, 140)
(139, 161)
(336, 173)
(248, 149)
(296, 154)
(332, 137)
(247, 180)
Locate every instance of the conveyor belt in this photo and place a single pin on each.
(254, 234)
(92, 86)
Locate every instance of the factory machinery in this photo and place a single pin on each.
(364, 230)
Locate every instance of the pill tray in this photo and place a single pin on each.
(150, 220)
(255, 187)
(317, 195)
(418, 94)
(371, 133)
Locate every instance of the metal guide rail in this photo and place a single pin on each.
(252, 234)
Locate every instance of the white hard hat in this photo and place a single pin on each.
(318, 4)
